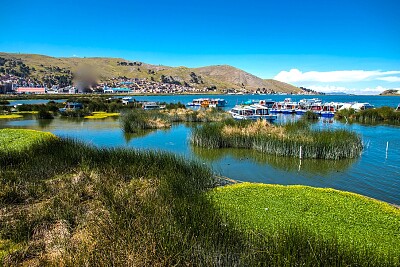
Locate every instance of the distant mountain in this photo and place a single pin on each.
(337, 93)
(393, 92)
(47, 69)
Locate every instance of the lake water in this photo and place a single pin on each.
(375, 174)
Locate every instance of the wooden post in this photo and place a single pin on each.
(387, 148)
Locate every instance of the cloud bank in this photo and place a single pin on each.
(295, 75)
(342, 89)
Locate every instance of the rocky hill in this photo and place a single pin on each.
(54, 70)
(393, 92)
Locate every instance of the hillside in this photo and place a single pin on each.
(60, 71)
(392, 92)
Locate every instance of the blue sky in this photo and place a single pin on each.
(294, 41)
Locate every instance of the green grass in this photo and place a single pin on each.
(283, 140)
(370, 116)
(101, 115)
(67, 203)
(10, 116)
(351, 220)
(13, 140)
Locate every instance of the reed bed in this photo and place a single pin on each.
(286, 140)
(309, 115)
(70, 204)
(370, 116)
(139, 120)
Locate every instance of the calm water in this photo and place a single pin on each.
(375, 173)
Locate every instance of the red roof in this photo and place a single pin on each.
(31, 90)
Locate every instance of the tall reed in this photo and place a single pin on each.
(280, 140)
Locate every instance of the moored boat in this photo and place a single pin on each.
(152, 106)
(251, 112)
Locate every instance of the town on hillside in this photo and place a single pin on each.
(11, 84)
(20, 77)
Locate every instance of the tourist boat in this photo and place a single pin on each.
(305, 104)
(269, 103)
(151, 106)
(197, 102)
(208, 102)
(277, 107)
(361, 106)
(289, 107)
(329, 109)
(251, 112)
(316, 108)
(217, 103)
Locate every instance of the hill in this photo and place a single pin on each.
(393, 92)
(46, 69)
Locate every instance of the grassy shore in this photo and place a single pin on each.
(279, 140)
(370, 116)
(349, 220)
(67, 203)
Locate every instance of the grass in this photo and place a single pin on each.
(351, 220)
(67, 203)
(370, 116)
(101, 115)
(283, 140)
(10, 116)
(14, 140)
(309, 115)
(27, 112)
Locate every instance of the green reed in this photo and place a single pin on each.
(318, 144)
(370, 116)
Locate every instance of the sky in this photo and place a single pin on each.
(329, 45)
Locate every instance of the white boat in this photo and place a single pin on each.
(217, 103)
(305, 105)
(398, 107)
(329, 109)
(151, 106)
(197, 102)
(361, 106)
(251, 112)
(269, 103)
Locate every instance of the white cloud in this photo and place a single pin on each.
(295, 75)
(389, 79)
(337, 89)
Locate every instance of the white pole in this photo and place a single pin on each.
(300, 156)
(387, 148)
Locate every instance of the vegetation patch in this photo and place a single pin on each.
(27, 112)
(13, 140)
(370, 116)
(279, 140)
(101, 115)
(138, 120)
(71, 204)
(10, 116)
(352, 221)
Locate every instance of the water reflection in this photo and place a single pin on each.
(44, 123)
(129, 136)
(312, 166)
